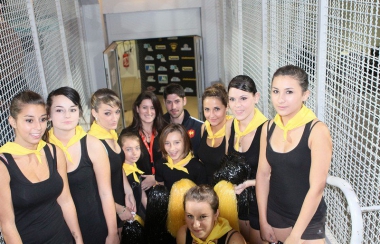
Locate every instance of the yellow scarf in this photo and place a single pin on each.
(79, 134)
(180, 164)
(303, 117)
(220, 229)
(257, 120)
(132, 169)
(101, 133)
(220, 133)
(17, 149)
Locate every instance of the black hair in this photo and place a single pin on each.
(244, 83)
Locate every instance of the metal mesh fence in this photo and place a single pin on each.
(252, 44)
(352, 101)
(276, 33)
(41, 49)
(232, 40)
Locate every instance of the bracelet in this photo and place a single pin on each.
(122, 211)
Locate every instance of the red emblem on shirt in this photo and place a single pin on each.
(191, 133)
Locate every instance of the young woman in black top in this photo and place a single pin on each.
(243, 138)
(295, 157)
(106, 109)
(213, 142)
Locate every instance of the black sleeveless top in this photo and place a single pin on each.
(38, 216)
(211, 156)
(252, 158)
(169, 176)
(289, 181)
(252, 154)
(116, 161)
(116, 164)
(221, 240)
(85, 193)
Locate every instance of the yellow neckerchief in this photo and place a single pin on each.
(257, 120)
(79, 134)
(101, 133)
(221, 227)
(180, 164)
(17, 149)
(220, 133)
(132, 169)
(303, 117)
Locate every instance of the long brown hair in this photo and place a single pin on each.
(158, 122)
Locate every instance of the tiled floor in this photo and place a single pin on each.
(131, 89)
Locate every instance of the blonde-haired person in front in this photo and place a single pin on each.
(203, 224)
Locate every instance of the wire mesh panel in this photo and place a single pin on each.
(75, 49)
(18, 67)
(232, 40)
(353, 104)
(292, 37)
(221, 32)
(253, 44)
(32, 51)
(50, 43)
(339, 217)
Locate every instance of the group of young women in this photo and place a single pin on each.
(288, 158)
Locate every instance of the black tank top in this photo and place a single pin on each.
(252, 154)
(289, 181)
(38, 216)
(85, 193)
(116, 161)
(211, 156)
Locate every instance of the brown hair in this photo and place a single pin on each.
(132, 136)
(158, 122)
(202, 193)
(128, 135)
(217, 90)
(172, 128)
(23, 98)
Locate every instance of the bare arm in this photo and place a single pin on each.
(130, 203)
(101, 164)
(262, 188)
(65, 200)
(7, 217)
(320, 145)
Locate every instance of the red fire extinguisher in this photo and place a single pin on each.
(126, 59)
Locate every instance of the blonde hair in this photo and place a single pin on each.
(105, 96)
